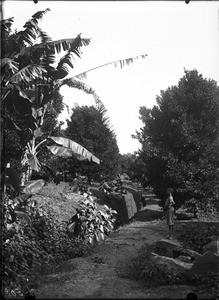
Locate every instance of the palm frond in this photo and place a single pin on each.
(65, 61)
(29, 34)
(73, 48)
(121, 63)
(38, 15)
(56, 46)
(67, 147)
(28, 73)
(6, 24)
(10, 65)
(47, 60)
(80, 85)
(44, 36)
(73, 45)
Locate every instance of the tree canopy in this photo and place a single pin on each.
(89, 128)
(180, 139)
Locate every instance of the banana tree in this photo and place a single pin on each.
(27, 69)
(30, 79)
(61, 147)
(27, 59)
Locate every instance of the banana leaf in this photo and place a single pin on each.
(67, 148)
(32, 187)
(33, 162)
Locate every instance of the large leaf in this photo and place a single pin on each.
(6, 24)
(28, 73)
(31, 31)
(121, 63)
(33, 187)
(71, 148)
(33, 162)
(10, 65)
(72, 44)
(80, 85)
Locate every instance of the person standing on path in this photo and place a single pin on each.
(169, 209)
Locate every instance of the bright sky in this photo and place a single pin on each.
(173, 34)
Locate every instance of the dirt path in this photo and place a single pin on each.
(96, 276)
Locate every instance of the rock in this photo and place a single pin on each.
(174, 249)
(187, 252)
(169, 265)
(166, 247)
(184, 258)
(213, 247)
(206, 263)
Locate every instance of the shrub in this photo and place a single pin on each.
(195, 240)
(90, 223)
(22, 257)
(201, 209)
(26, 248)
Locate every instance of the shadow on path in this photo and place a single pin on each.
(147, 214)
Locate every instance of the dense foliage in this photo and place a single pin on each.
(193, 239)
(36, 238)
(180, 140)
(29, 87)
(32, 248)
(89, 128)
(90, 223)
(132, 165)
(15, 143)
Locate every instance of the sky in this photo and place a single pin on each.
(174, 35)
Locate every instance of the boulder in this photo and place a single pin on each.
(184, 258)
(187, 252)
(169, 265)
(174, 249)
(167, 247)
(206, 263)
(213, 247)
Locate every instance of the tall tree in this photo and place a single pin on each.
(180, 140)
(89, 128)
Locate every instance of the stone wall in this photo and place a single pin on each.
(126, 205)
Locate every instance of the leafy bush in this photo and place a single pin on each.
(90, 223)
(201, 209)
(22, 257)
(26, 248)
(195, 240)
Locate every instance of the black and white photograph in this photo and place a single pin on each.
(109, 149)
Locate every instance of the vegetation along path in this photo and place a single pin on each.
(100, 275)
